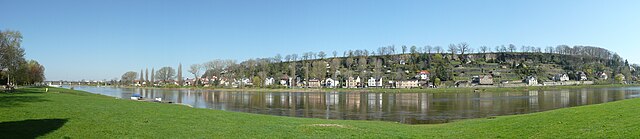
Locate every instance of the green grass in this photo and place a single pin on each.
(62, 113)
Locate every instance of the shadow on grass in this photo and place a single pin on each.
(16, 100)
(29, 128)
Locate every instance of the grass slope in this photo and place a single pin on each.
(67, 113)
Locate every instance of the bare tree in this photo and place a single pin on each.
(335, 54)
(512, 48)
(484, 49)
(129, 77)
(165, 74)
(438, 49)
(463, 47)
(404, 49)
(321, 54)
(195, 70)
(453, 49)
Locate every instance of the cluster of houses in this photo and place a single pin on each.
(420, 80)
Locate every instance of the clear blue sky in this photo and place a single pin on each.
(101, 39)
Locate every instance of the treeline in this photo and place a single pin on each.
(401, 63)
(16, 70)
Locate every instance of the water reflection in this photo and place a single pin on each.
(411, 108)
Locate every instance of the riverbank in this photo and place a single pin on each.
(62, 113)
(393, 90)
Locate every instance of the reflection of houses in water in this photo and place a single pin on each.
(564, 98)
(533, 98)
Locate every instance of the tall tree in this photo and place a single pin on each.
(153, 81)
(484, 49)
(195, 70)
(404, 49)
(180, 80)
(11, 54)
(146, 75)
(165, 74)
(321, 54)
(129, 77)
(141, 77)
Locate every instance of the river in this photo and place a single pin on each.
(409, 108)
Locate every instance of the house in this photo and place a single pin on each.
(561, 77)
(269, 81)
(423, 75)
(353, 83)
(581, 76)
(373, 82)
(483, 80)
(407, 84)
(285, 81)
(530, 80)
(603, 76)
(330, 83)
(313, 83)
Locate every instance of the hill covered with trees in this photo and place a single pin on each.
(457, 62)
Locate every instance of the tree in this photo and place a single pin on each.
(512, 48)
(335, 54)
(195, 70)
(141, 77)
(278, 58)
(321, 54)
(404, 49)
(414, 49)
(438, 49)
(620, 78)
(453, 49)
(11, 54)
(146, 75)
(35, 72)
(484, 49)
(153, 81)
(165, 74)
(180, 80)
(463, 47)
(128, 77)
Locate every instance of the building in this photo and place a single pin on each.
(330, 83)
(373, 82)
(407, 84)
(582, 76)
(561, 77)
(603, 76)
(269, 81)
(423, 75)
(483, 80)
(531, 80)
(313, 83)
(353, 83)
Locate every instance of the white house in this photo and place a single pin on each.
(330, 83)
(353, 83)
(373, 82)
(531, 80)
(603, 76)
(561, 77)
(269, 81)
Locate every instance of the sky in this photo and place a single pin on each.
(102, 39)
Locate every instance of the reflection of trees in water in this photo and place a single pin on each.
(401, 107)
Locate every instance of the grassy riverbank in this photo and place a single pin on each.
(68, 113)
(413, 90)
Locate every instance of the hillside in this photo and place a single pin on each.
(447, 67)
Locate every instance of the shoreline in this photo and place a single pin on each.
(395, 90)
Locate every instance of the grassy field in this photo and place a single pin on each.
(63, 113)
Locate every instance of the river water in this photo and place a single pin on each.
(409, 108)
